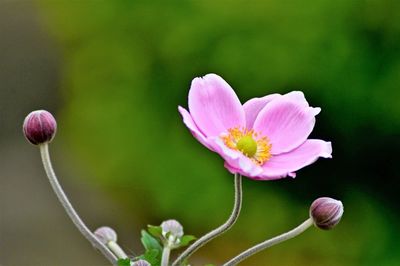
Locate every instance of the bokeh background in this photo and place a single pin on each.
(114, 72)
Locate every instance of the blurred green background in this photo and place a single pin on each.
(120, 69)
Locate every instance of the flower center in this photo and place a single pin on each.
(249, 143)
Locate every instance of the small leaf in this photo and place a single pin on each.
(186, 239)
(124, 262)
(150, 242)
(185, 262)
(152, 256)
(155, 231)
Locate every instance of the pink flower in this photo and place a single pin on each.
(263, 139)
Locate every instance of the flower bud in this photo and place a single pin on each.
(326, 212)
(39, 127)
(105, 234)
(141, 263)
(173, 227)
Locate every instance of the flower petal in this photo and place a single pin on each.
(214, 105)
(285, 164)
(253, 107)
(287, 121)
(187, 119)
(235, 161)
(298, 97)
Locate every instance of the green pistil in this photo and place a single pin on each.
(247, 145)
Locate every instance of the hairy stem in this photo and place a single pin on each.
(44, 151)
(117, 250)
(218, 231)
(270, 242)
(165, 256)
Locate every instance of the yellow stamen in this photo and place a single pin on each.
(249, 143)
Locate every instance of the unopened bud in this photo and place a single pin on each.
(141, 263)
(39, 127)
(105, 234)
(173, 227)
(326, 212)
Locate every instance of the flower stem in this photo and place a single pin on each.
(270, 242)
(165, 256)
(218, 231)
(117, 250)
(44, 151)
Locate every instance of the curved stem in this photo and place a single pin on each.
(218, 231)
(44, 152)
(270, 242)
(165, 256)
(117, 250)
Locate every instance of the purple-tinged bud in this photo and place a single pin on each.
(326, 212)
(141, 263)
(39, 127)
(173, 227)
(105, 234)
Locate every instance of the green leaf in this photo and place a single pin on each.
(185, 262)
(124, 262)
(155, 231)
(186, 239)
(152, 256)
(150, 242)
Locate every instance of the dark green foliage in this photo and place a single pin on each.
(153, 248)
(152, 256)
(155, 231)
(149, 242)
(124, 262)
(186, 239)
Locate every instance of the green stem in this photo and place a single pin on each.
(270, 242)
(218, 231)
(44, 151)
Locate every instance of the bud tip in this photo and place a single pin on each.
(39, 127)
(106, 234)
(326, 212)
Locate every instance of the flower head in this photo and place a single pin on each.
(326, 212)
(172, 231)
(265, 138)
(39, 127)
